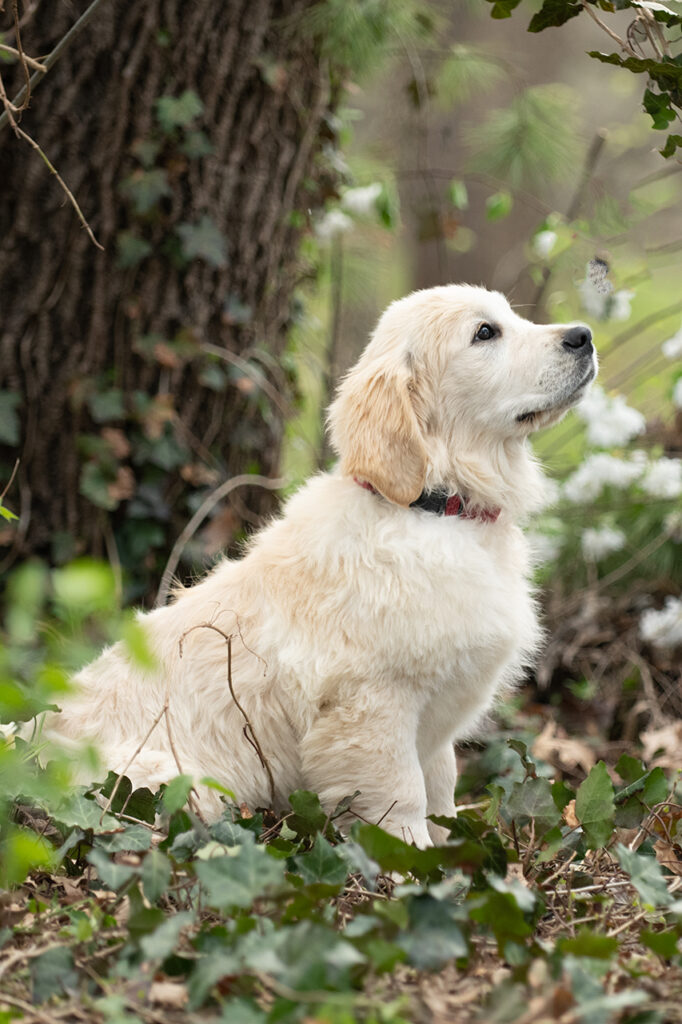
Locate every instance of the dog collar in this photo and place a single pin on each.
(441, 503)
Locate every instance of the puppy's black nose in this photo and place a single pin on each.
(578, 339)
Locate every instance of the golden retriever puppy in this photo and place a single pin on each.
(376, 621)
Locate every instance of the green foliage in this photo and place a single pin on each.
(178, 111)
(203, 240)
(466, 72)
(594, 806)
(356, 33)
(663, 68)
(520, 144)
(9, 419)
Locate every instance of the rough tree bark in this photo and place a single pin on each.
(85, 336)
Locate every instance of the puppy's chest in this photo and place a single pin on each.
(461, 609)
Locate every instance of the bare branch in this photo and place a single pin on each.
(197, 519)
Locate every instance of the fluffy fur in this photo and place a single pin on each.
(368, 636)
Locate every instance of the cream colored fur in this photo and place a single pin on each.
(368, 636)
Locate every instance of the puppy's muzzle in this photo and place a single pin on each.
(578, 340)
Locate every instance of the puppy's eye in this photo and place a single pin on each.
(485, 332)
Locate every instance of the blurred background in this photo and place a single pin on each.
(249, 185)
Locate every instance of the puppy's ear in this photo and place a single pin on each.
(375, 430)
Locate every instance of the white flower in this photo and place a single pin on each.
(672, 348)
(620, 308)
(602, 303)
(663, 478)
(664, 628)
(610, 420)
(8, 730)
(334, 222)
(598, 543)
(677, 393)
(544, 242)
(597, 472)
(362, 201)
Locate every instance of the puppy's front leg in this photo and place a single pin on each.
(440, 775)
(371, 749)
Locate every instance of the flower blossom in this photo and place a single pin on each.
(610, 420)
(598, 471)
(362, 201)
(663, 478)
(334, 222)
(598, 543)
(663, 628)
(602, 303)
(544, 242)
(672, 348)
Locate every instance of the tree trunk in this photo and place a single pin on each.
(191, 135)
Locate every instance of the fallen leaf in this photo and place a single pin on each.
(569, 814)
(563, 751)
(168, 993)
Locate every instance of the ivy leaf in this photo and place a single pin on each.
(308, 817)
(503, 8)
(176, 792)
(322, 864)
(112, 875)
(533, 799)
(589, 943)
(145, 188)
(433, 936)
(52, 973)
(673, 143)
(178, 111)
(554, 13)
(205, 241)
(160, 943)
(237, 879)
(594, 806)
(156, 874)
(659, 107)
(107, 405)
(646, 876)
(131, 249)
(196, 144)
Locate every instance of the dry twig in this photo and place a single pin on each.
(249, 732)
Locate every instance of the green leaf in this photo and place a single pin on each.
(503, 8)
(196, 144)
(308, 817)
(433, 936)
(594, 806)
(85, 586)
(52, 973)
(205, 241)
(656, 69)
(673, 143)
(112, 875)
(136, 643)
(533, 799)
(646, 876)
(554, 13)
(156, 875)
(131, 249)
(145, 188)
(176, 792)
(178, 112)
(107, 405)
(94, 483)
(322, 864)
(161, 942)
(589, 943)
(630, 768)
(664, 943)
(458, 195)
(132, 837)
(659, 107)
(6, 514)
(498, 205)
(237, 879)
(9, 420)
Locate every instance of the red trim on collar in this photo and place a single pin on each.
(454, 505)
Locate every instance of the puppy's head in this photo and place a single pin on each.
(450, 370)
